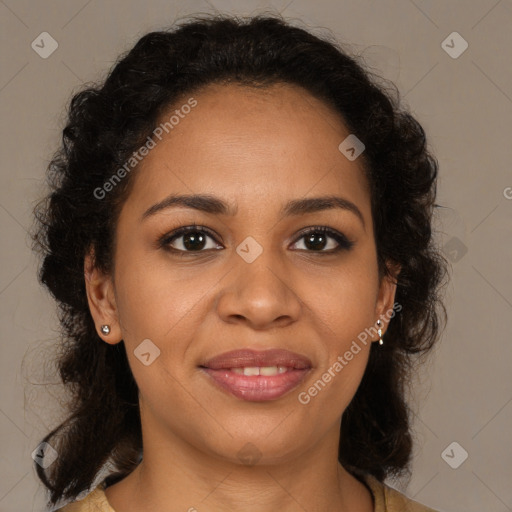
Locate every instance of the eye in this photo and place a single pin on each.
(316, 239)
(188, 239)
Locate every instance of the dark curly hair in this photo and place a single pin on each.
(108, 122)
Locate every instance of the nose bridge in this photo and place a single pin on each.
(259, 288)
(260, 265)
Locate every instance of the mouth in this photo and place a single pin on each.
(257, 376)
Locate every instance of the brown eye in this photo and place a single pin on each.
(195, 239)
(317, 239)
(188, 239)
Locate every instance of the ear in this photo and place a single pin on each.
(386, 297)
(102, 304)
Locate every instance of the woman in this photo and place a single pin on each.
(239, 239)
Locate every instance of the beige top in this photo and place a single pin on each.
(385, 499)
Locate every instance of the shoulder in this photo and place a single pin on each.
(95, 501)
(388, 499)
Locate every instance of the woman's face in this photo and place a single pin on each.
(253, 279)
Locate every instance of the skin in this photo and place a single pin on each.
(256, 149)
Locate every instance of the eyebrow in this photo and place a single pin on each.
(214, 205)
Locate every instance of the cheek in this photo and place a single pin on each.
(343, 303)
(151, 300)
(343, 310)
(165, 306)
(327, 395)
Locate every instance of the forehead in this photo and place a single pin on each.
(255, 145)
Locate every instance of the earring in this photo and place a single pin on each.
(105, 329)
(379, 331)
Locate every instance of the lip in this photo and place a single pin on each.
(257, 388)
(248, 357)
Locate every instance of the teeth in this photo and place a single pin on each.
(269, 371)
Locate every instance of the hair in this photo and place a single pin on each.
(107, 122)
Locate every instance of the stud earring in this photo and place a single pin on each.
(105, 329)
(379, 331)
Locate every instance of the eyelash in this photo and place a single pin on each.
(343, 242)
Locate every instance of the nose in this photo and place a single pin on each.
(259, 294)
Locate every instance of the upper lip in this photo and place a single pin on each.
(255, 358)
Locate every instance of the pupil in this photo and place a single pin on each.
(193, 238)
(310, 243)
(195, 241)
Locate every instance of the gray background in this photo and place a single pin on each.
(464, 394)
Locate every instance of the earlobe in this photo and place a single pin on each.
(101, 298)
(385, 301)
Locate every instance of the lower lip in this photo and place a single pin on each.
(257, 388)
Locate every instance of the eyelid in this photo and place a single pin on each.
(344, 243)
(168, 236)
